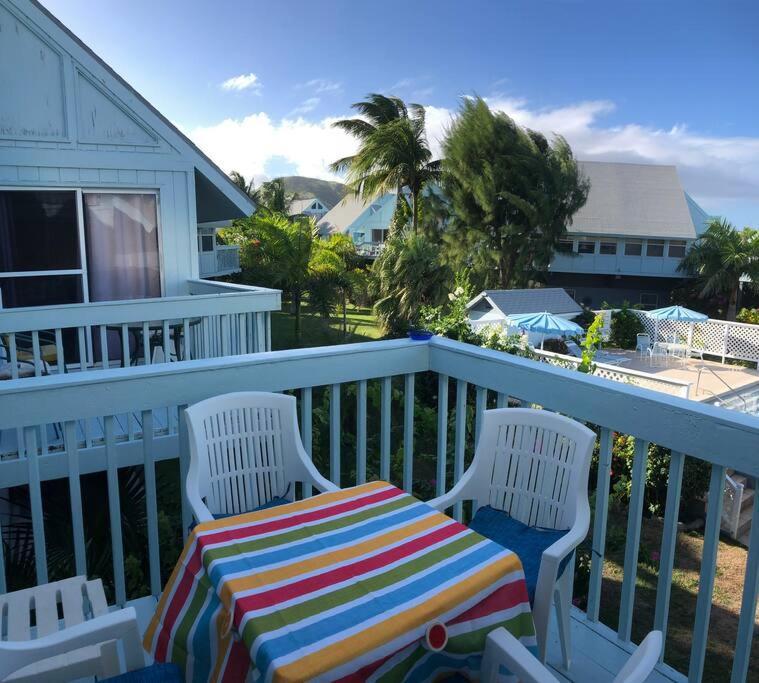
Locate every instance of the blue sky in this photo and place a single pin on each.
(661, 82)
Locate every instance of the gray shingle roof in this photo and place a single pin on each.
(552, 299)
(640, 200)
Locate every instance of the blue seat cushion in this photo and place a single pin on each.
(155, 673)
(274, 502)
(528, 542)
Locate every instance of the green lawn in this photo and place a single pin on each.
(316, 331)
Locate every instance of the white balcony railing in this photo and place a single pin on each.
(70, 426)
(214, 319)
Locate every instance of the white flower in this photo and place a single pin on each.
(458, 291)
(451, 296)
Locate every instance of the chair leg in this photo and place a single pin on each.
(563, 601)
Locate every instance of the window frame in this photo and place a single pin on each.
(655, 243)
(607, 242)
(567, 241)
(581, 241)
(82, 271)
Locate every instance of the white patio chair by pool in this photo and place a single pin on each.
(657, 355)
(643, 344)
(503, 649)
(530, 471)
(246, 454)
(82, 643)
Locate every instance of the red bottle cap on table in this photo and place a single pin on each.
(436, 637)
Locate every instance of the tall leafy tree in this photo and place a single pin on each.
(271, 195)
(406, 276)
(393, 154)
(720, 257)
(247, 186)
(512, 194)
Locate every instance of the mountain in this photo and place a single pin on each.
(330, 192)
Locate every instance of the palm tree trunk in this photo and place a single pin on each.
(732, 304)
(415, 210)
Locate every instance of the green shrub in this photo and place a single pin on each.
(748, 315)
(625, 327)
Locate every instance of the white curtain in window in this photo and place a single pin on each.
(121, 234)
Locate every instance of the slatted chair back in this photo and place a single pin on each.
(245, 450)
(533, 465)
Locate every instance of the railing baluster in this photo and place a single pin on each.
(599, 525)
(306, 429)
(242, 346)
(35, 502)
(267, 325)
(184, 466)
(126, 358)
(206, 337)
(14, 355)
(82, 349)
(104, 360)
(36, 355)
(385, 415)
(114, 509)
(60, 359)
(186, 343)
(361, 433)
(75, 494)
(442, 434)
(166, 341)
(459, 441)
(151, 502)
(408, 432)
(746, 628)
(334, 433)
(480, 403)
(632, 541)
(224, 322)
(3, 582)
(146, 343)
(502, 400)
(668, 544)
(706, 577)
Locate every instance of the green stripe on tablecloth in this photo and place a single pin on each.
(198, 594)
(400, 670)
(355, 590)
(474, 641)
(237, 548)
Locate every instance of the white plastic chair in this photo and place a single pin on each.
(83, 645)
(534, 465)
(245, 450)
(503, 649)
(643, 344)
(658, 355)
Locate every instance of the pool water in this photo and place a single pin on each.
(733, 402)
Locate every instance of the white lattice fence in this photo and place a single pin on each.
(714, 337)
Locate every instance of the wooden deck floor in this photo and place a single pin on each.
(597, 655)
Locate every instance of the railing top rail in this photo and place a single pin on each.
(84, 395)
(224, 301)
(701, 430)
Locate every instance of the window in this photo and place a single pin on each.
(676, 249)
(40, 259)
(565, 246)
(358, 237)
(633, 247)
(655, 248)
(649, 300)
(72, 246)
(608, 248)
(374, 208)
(206, 242)
(378, 235)
(586, 247)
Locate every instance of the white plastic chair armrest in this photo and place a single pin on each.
(118, 625)
(311, 475)
(642, 661)
(199, 509)
(503, 649)
(462, 490)
(577, 533)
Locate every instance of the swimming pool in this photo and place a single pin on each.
(745, 400)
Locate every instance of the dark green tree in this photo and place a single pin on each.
(512, 194)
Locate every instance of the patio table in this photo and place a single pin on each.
(340, 586)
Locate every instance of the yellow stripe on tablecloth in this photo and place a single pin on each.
(376, 635)
(291, 508)
(331, 557)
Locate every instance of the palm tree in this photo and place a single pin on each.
(245, 185)
(394, 152)
(720, 257)
(406, 276)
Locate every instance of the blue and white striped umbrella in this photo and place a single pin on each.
(677, 313)
(545, 323)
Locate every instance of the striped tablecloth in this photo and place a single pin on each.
(340, 586)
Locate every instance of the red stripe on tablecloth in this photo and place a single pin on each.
(237, 665)
(256, 529)
(339, 574)
(363, 673)
(505, 597)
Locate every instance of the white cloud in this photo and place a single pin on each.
(242, 82)
(322, 85)
(717, 170)
(306, 106)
